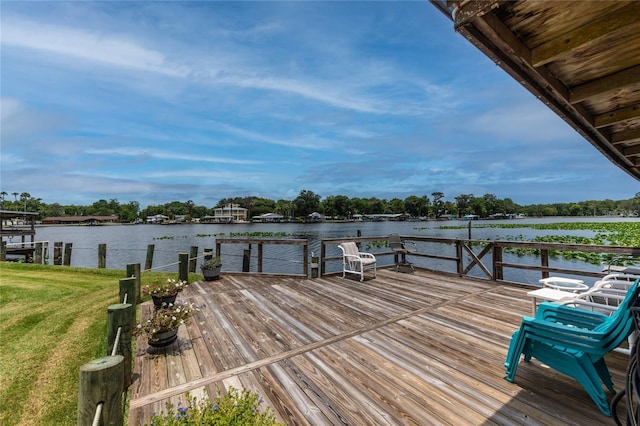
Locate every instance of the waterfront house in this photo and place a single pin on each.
(230, 213)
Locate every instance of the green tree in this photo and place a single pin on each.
(306, 203)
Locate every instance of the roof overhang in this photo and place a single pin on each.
(581, 58)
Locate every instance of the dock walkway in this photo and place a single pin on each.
(422, 349)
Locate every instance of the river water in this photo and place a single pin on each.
(128, 243)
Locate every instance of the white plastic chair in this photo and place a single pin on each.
(356, 262)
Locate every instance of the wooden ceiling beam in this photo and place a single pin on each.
(618, 116)
(566, 43)
(467, 10)
(631, 151)
(609, 83)
(626, 136)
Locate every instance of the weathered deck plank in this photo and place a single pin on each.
(399, 349)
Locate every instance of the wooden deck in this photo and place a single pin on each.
(421, 349)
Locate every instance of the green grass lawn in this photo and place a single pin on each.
(52, 320)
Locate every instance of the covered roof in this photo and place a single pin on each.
(581, 58)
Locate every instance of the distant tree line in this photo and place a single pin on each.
(336, 206)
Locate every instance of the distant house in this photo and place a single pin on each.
(231, 213)
(158, 218)
(268, 218)
(315, 217)
(471, 217)
(75, 220)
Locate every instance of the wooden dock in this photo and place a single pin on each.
(420, 349)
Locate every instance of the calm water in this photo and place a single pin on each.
(128, 243)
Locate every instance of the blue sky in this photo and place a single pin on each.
(162, 101)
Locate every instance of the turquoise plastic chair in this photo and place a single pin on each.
(574, 342)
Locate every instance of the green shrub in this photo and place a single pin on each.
(242, 408)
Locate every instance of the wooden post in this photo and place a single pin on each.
(102, 256)
(183, 267)
(459, 264)
(193, 258)
(57, 253)
(45, 254)
(246, 259)
(469, 228)
(208, 254)
(67, 254)
(218, 249)
(544, 260)
(101, 382)
(3, 251)
(314, 266)
(498, 271)
(37, 258)
(149, 261)
(128, 288)
(133, 270)
(123, 316)
(259, 257)
(305, 258)
(323, 255)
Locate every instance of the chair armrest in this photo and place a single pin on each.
(368, 255)
(557, 313)
(583, 304)
(564, 335)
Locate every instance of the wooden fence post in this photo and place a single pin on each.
(133, 270)
(246, 259)
(149, 260)
(57, 253)
(45, 254)
(193, 258)
(123, 316)
(314, 266)
(128, 287)
(323, 255)
(101, 381)
(67, 254)
(183, 267)
(37, 258)
(544, 261)
(305, 259)
(498, 273)
(3, 251)
(259, 257)
(459, 262)
(208, 254)
(102, 256)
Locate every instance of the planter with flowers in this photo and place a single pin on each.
(162, 328)
(211, 269)
(164, 293)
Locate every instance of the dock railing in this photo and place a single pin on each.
(103, 381)
(487, 255)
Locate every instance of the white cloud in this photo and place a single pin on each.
(86, 45)
(167, 155)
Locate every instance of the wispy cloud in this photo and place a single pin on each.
(234, 98)
(167, 155)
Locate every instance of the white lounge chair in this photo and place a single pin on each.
(356, 262)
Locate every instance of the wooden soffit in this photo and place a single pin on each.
(581, 58)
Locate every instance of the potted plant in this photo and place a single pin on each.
(211, 269)
(162, 328)
(164, 293)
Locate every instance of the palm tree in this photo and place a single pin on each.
(2, 195)
(24, 197)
